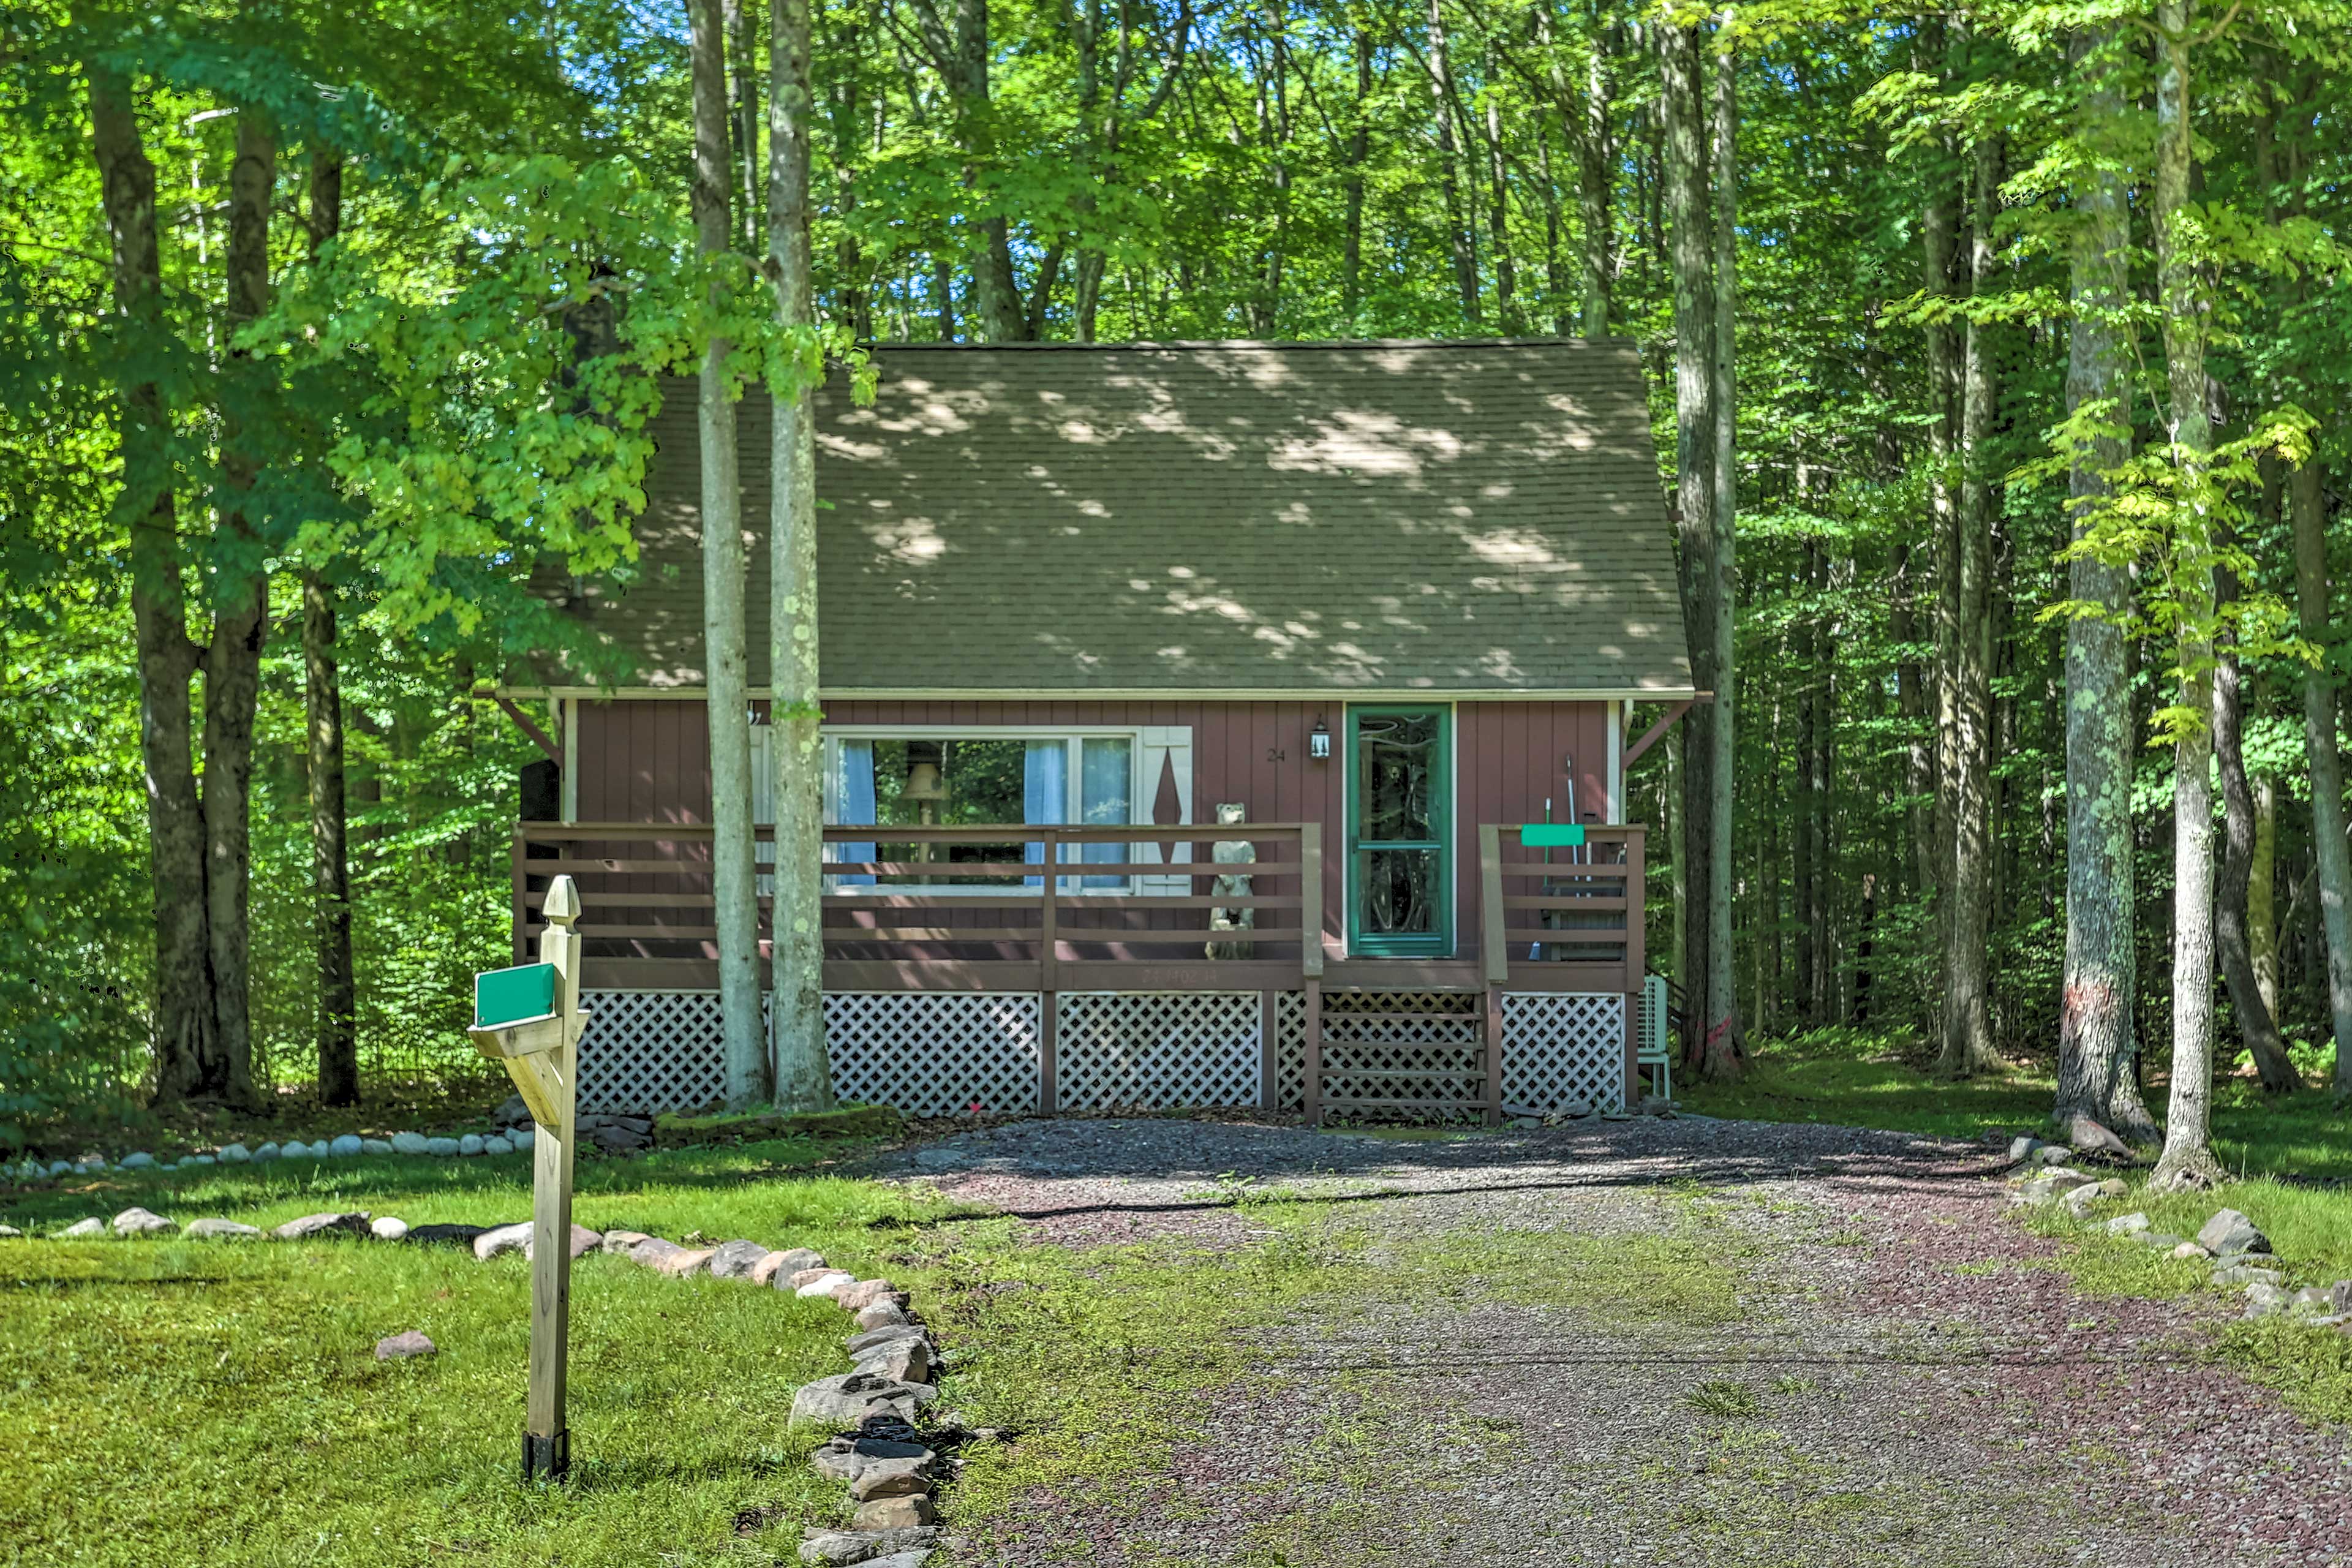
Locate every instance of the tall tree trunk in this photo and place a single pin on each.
(1499, 213)
(854, 290)
(743, 120)
(187, 1047)
(1725, 1053)
(1938, 235)
(1913, 681)
(2331, 855)
(240, 620)
(1595, 176)
(1685, 168)
(1967, 1025)
(957, 47)
(2097, 997)
(1804, 666)
(1351, 258)
(996, 290)
(1441, 93)
(1823, 701)
(2188, 1160)
(2231, 941)
(322, 697)
(734, 881)
(1274, 107)
(796, 765)
(2262, 895)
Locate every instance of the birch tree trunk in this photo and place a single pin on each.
(734, 881)
(1685, 165)
(2188, 1160)
(240, 622)
(1967, 1028)
(1726, 1046)
(2096, 1033)
(188, 1063)
(796, 754)
(2232, 944)
(2306, 507)
(322, 697)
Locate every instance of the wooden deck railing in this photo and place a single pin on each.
(972, 899)
(1566, 917)
(982, 916)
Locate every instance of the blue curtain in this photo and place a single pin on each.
(853, 806)
(1105, 783)
(1044, 794)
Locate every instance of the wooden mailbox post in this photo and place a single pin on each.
(530, 1019)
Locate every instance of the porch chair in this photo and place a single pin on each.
(1650, 1035)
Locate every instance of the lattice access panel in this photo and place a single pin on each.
(1402, 1044)
(1162, 1050)
(1560, 1047)
(935, 1053)
(651, 1050)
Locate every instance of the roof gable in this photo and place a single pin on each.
(1458, 518)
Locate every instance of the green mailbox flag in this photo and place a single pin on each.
(512, 995)
(1552, 834)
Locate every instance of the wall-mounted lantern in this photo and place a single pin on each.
(1319, 741)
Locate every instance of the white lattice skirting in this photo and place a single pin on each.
(1563, 1045)
(939, 1053)
(935, 1053)
(650, 1050)
(1161, 1050)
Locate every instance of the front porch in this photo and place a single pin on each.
(1159, 967)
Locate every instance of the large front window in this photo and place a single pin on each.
(943, 779)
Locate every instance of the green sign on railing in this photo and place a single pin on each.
(512, 995)
(1552, 834)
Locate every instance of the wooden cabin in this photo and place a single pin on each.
(1309, 668)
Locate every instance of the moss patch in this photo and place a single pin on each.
(671, 1129)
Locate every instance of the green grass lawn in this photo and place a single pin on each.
(178, 1402)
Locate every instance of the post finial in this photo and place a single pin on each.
(562, 905)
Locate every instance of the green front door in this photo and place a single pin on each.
(1399, 831)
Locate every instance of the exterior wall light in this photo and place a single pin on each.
(1319, 741)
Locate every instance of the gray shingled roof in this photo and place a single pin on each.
(1203, 518)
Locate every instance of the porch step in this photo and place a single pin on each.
(1354, 1022)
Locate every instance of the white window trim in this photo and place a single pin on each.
(1139, 805)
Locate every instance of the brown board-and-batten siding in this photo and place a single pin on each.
(647, 761)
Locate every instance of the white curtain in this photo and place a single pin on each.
(1045, 793)
(852, 806)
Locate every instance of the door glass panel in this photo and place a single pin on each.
(1396, 771)
(1396, 892)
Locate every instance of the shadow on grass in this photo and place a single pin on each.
(1864, 1077)
(396, 1181)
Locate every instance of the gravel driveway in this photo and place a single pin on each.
(1897, 1387)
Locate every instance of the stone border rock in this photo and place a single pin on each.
(2241, 1254)
(891, 1456)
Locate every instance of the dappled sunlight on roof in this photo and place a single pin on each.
(1440, 517)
